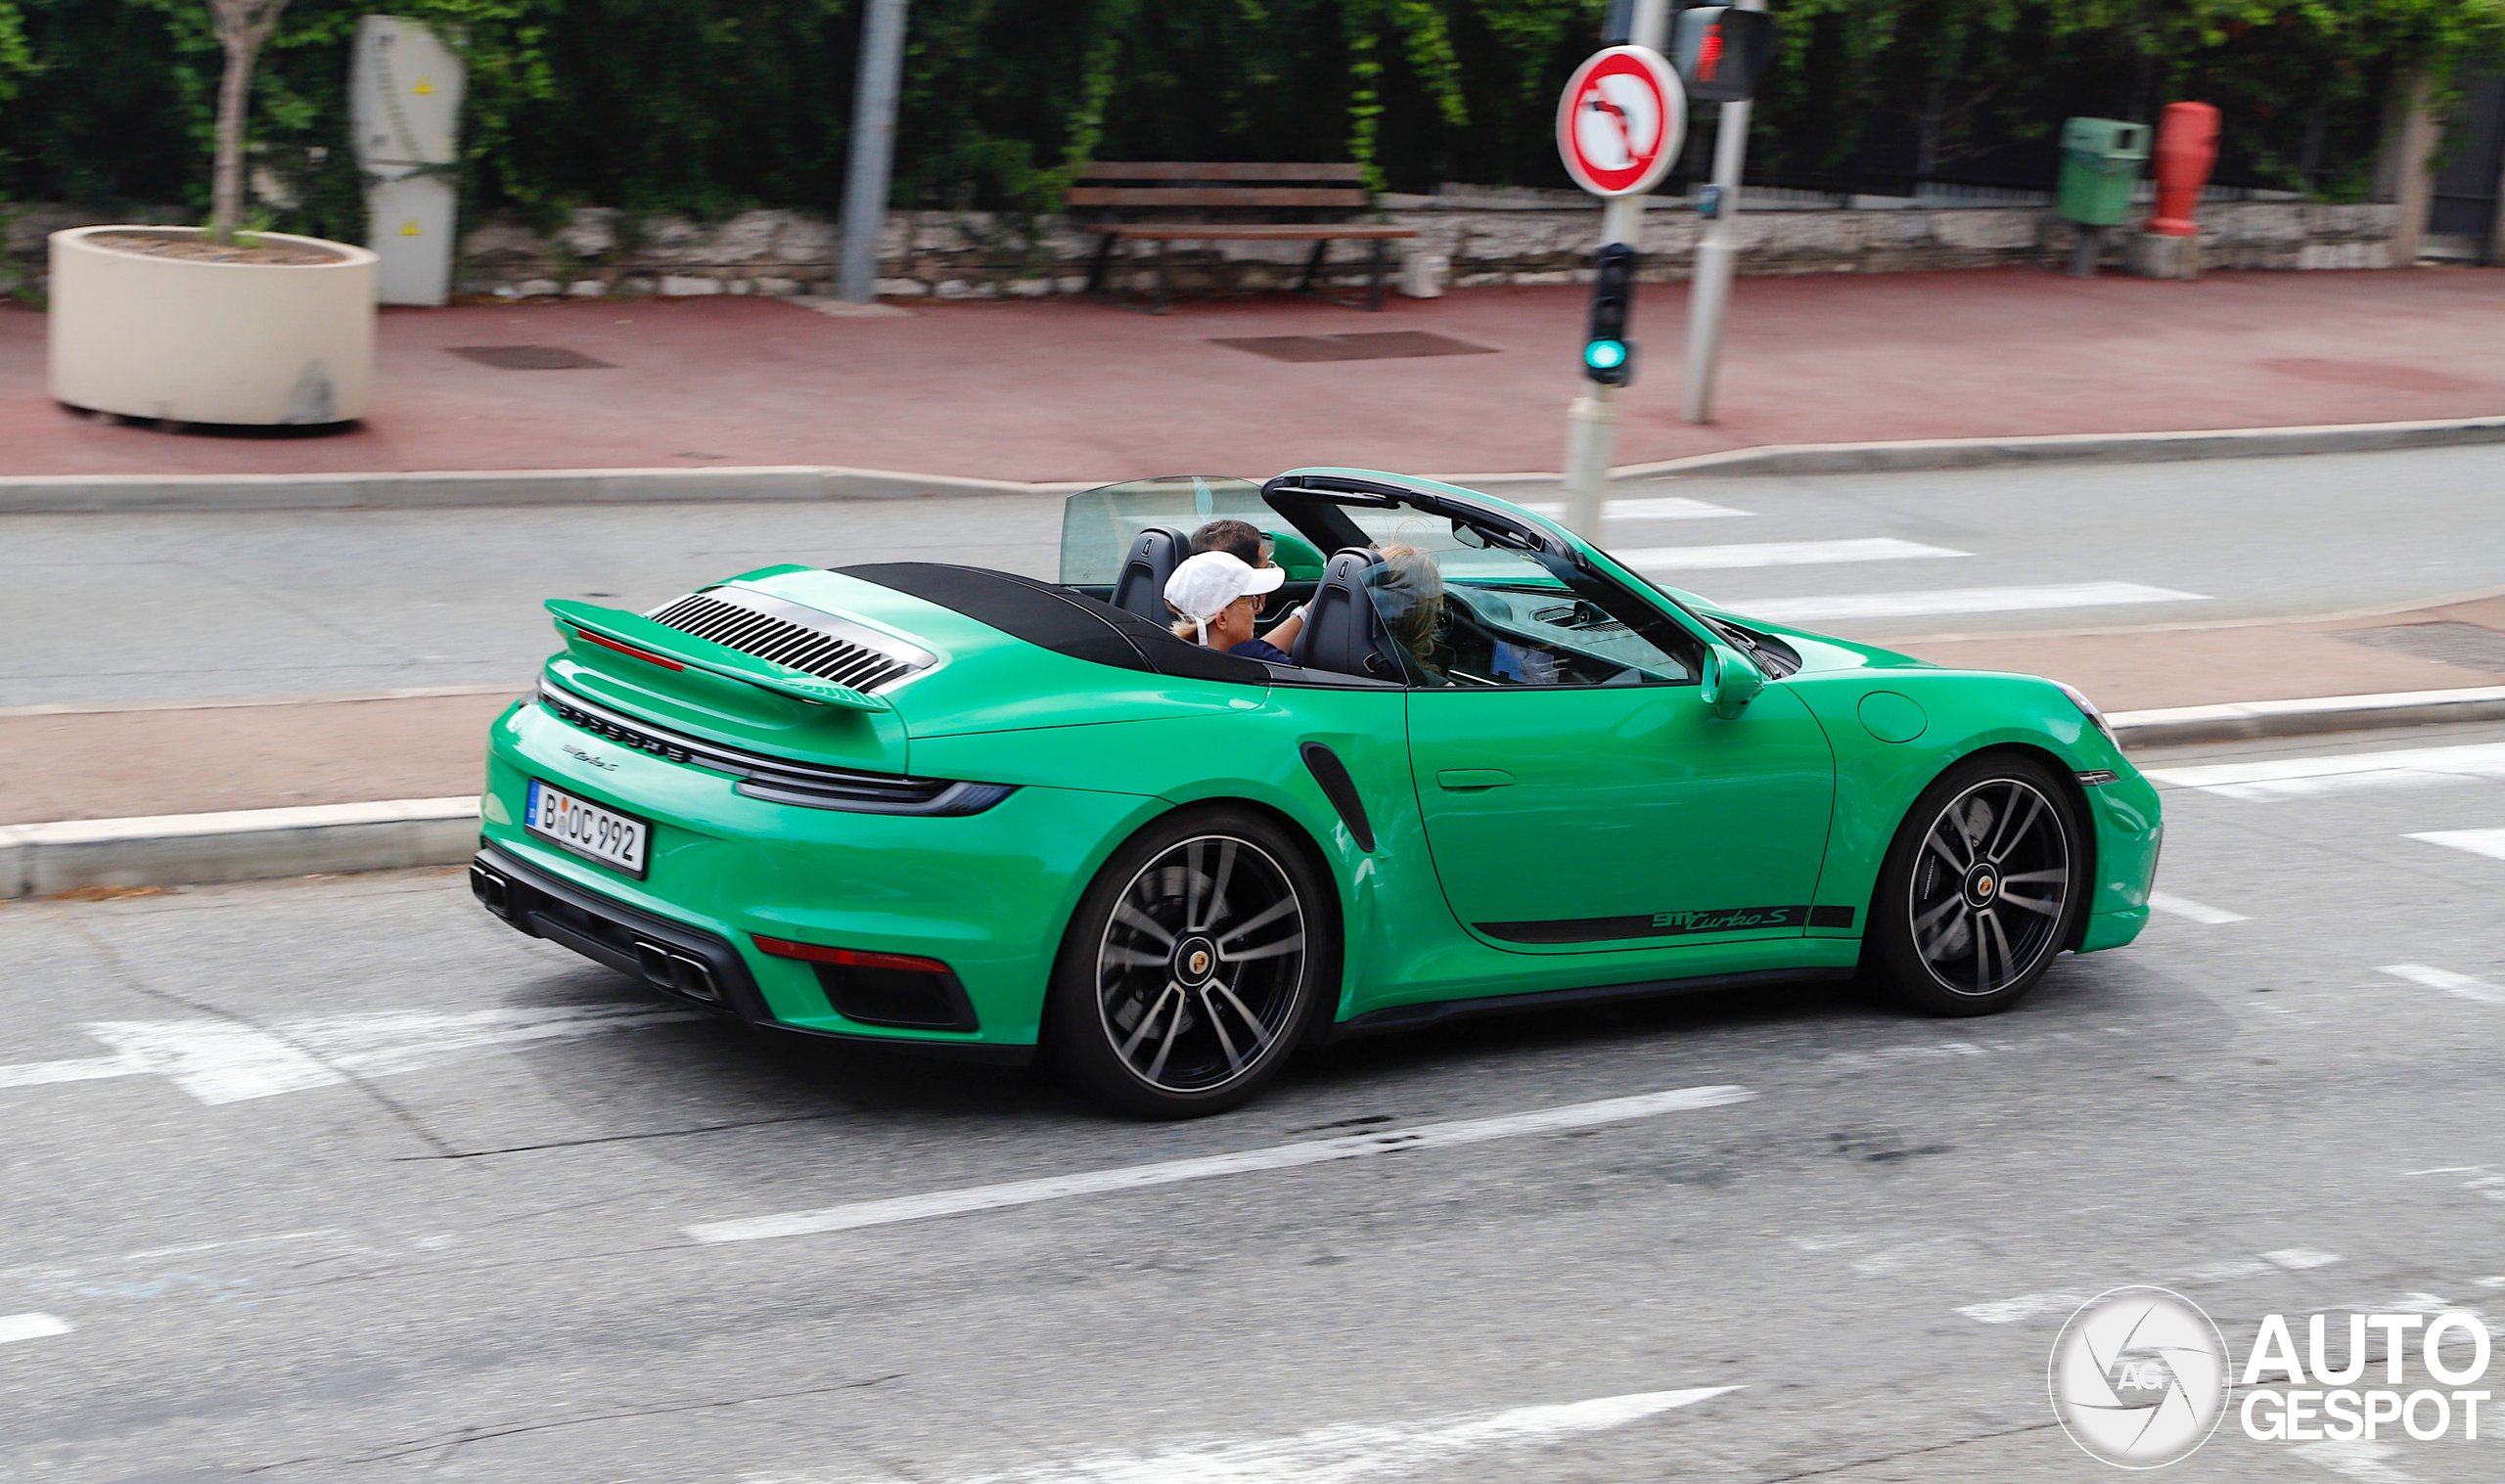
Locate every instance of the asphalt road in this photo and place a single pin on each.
(102, 609)
(341, 1180)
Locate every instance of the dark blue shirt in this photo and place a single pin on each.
(1261, 648)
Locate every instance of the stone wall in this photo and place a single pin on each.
(974, 255)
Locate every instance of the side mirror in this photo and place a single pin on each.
(1731, 681)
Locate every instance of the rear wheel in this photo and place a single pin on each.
(1191, 965)
(1980, 889)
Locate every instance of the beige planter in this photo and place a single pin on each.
(193, 342)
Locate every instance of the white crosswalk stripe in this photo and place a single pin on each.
(2199, 911)
(2488, 843)
(2281, 778)
(1826, 607)
(32, 1326)
(1674, 558)
(1972, 600)
(2452, 983)
(1648, 507)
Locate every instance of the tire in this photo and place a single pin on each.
(1947, 935)
(1193, 965)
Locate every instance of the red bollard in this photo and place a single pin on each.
(2187, 144)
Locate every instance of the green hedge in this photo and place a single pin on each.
(710, 106)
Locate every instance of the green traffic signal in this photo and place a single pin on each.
(1605, 355)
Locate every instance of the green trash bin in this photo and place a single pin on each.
(2101, 160)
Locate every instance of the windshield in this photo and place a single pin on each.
(1492, 617)
(1098, 526)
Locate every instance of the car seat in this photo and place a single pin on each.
(1341, 630)
(1141, 588)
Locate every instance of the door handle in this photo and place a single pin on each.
(1473, 779)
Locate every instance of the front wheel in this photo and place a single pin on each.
(1980, 889)
(1191, 965)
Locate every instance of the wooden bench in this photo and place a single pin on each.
(1184, 194)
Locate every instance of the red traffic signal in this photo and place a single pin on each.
(1721, 51)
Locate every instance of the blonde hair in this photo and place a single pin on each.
(1415, 624)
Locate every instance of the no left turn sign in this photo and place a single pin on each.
(1622, 120)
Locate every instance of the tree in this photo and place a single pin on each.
(242, 26)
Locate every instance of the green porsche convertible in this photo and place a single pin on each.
(965, 811)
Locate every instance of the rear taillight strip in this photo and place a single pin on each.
(779, 780)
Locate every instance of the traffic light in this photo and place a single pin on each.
(1609, 356)
(1721, 51)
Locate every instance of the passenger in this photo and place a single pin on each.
(1238, 538)
(1408, 592)
(1216, 596)
(1251, 546)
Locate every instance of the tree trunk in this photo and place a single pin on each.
(233, 99)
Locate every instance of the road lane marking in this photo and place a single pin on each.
(2357, 1459)
(2448, 981)
(2184, 907)
(2301, 777)
(1695, 559)
(1282, 1156)
(1967, 600)
(1342, 1453)
(1650, 508)
(32, 1326)
(226, 1061)
(2009, 1311)
(86, 1069)
(2487, 842)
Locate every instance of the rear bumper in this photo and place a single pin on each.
(692, 965)
(987, 894)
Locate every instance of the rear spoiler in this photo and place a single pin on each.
(656, 644)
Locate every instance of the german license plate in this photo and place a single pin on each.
(587, 830)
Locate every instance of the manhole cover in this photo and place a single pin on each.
(2466, 644)
(528, 357)
(1367, 345)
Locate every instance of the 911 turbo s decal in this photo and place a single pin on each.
(1668, 924)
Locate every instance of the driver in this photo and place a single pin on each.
(1216, 598)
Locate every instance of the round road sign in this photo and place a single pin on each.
(1622, 120)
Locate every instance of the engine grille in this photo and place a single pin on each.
(816, 644)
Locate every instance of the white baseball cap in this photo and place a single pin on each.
(1203, 585)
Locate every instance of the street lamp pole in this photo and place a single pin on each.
(874, 144)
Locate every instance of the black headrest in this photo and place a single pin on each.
(1341, 630)
(1153, 557)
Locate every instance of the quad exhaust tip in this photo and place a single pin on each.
(490, 888)
(681, 973)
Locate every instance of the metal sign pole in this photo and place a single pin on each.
(874, 143)
(1591, 418)
(1711, 290)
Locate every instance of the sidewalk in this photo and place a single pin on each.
(112, 764)
(1062, 390)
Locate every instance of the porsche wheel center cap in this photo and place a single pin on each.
(1982, 884)
(1194, 960)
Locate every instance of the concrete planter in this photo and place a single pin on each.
(194, 341)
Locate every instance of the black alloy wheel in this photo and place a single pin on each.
(1981, 889)
(1192, 967)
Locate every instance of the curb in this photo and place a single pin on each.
(240, 845)
(395, 834)
(2245, 720)
(58, 494)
